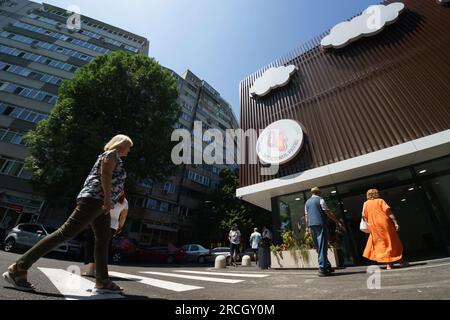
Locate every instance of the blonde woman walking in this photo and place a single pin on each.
(99, 194)
(384, 244)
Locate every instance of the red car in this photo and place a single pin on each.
(126, 249)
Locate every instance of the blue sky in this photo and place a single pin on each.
(221, 41)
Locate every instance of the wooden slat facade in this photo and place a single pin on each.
(375, 93)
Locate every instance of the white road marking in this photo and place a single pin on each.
(243, 275)
(173, 286)
(182, 276)
(412, 267)
(75, 287)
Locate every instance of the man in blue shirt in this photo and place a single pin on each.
(316, 214)
(255, 238)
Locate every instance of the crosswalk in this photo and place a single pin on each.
(74, 287)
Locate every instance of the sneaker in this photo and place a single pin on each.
(331, 270)
(324, 273)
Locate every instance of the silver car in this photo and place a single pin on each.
(221, 251)
(26, 235)
(196, 253)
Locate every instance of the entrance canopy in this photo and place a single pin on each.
(406, 154)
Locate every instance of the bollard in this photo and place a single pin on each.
(221, 262)
(246, 261)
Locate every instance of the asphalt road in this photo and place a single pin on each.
(55, 280)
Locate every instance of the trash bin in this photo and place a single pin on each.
(264, 255)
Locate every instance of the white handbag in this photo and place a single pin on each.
(364, 226)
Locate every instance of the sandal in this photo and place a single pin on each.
(88, 274)
(108, 287)
(18, 279)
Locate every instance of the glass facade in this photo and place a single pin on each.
(418, 195)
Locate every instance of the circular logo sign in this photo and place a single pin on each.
(280, 142)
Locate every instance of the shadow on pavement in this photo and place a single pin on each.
(97, 297)
(347, 273)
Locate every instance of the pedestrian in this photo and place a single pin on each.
(118, 217)
(383, 245)
(234, 236)
(316, 214)
(255, 238)
(99, 194)
(267, 235)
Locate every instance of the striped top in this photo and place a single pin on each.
(93, 185)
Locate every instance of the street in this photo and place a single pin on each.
(55, 280)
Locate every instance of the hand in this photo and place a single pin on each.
(397, 227)
(118, 231)
(308, 231)
(107, 206)
(341, 226)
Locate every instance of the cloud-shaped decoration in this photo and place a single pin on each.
(271, 79)
(369, 23)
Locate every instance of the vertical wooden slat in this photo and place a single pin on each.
(375, 93)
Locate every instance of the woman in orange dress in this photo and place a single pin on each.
(384, 244)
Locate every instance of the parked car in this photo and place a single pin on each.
(221, 251)
(26, 235)
(196, 253)
(126, 249)
(225, 251)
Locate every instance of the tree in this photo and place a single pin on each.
(119, 93)
(222, 209)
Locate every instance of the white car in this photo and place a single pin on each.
(196, 253)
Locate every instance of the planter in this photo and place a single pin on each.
(301, 260)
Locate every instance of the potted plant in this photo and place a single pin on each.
(298, 253)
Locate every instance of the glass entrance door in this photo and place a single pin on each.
(418, 232)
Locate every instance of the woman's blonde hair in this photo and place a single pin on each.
(117, 141)
(373, 194)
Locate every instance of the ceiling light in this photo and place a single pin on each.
(423, 171)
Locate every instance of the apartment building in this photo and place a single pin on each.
(39, 48)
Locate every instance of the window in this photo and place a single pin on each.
(25, 72)
(187, 106)
(46, 45)
(21, 113)
(199, 178)
(216, 170)
(168, 187)
(164, 206)
(11, 167)
(152, 204)
(26, 228)
(186, 117)
(30, 93)
(9, 136)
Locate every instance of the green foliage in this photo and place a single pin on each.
(222, 209)
(291, 243)
(115, 94)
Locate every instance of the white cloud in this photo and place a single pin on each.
(370, 22)
(271, 79)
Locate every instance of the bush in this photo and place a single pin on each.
(291, 243)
